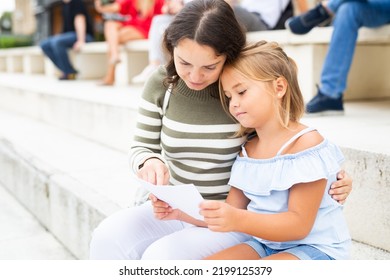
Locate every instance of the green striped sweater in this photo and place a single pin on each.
(193, 136)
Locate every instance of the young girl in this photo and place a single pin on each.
(281, 178)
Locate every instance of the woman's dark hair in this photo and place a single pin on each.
(207, 22)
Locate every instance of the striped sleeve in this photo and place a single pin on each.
(146, 142)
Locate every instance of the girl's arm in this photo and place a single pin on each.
(296, 223)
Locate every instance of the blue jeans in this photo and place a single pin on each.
(349, 17)
(302, 252)
(56, 49)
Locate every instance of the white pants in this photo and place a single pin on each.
(134, 233)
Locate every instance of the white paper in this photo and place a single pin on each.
(184, 197)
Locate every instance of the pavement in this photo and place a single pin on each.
(22, 237)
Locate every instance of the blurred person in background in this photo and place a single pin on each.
(254, 15)
(125, 20)
(348, 17)
(77, 30)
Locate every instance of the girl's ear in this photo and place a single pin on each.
(280, 87)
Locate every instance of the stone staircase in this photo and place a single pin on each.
(63, 155)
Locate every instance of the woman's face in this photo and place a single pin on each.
(197, 65)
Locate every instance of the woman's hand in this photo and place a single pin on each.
(154, 171)
(341, 189)
(162, 210)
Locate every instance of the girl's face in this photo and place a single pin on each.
(251, 102)
(197, 65)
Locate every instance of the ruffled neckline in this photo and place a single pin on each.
(261, 176)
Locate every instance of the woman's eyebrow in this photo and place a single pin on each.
(210, 65)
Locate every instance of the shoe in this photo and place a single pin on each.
(144, 75)
(66, 77)
(323, 105)
(304, 23)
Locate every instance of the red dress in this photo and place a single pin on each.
(128, 8)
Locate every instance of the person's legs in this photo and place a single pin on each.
(127, 233)
(111, 35)
(116, 34)
(320, 15)
(56, 48)
(156, 33)
(61, 44)
(349, 18)
(156, 54)
(192, 243)
(250, 21)
(47, 49)
(238, 252)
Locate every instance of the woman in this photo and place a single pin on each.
(189, 141)
(133, 23)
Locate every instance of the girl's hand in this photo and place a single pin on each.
(341, 189)
(162, 210)
(154, 171)
(218, 215)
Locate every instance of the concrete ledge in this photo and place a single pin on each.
(105, 114)
(134, 58)
(321, 35)
(28, 60)
(91, 61)
(69, 184)
(368, 207)
(309, 51)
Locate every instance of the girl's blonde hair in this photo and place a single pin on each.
(266, 61)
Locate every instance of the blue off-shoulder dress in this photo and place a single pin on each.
(266, 182)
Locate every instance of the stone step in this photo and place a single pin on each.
(107, 116)
(22, 237)
(68, 183)
(104, 114)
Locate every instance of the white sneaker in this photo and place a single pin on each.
(144, 75)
